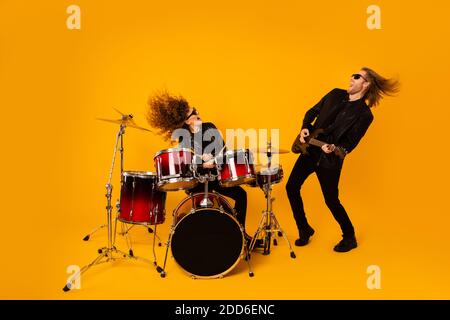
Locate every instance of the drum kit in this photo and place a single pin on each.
(205, 238)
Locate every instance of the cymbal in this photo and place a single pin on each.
(127, 122)
(272, 150)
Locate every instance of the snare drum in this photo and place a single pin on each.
(140, 200)
(275, 174)
(206, 242)
(174, 169)
(236, 167)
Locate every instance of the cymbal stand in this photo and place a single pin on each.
(110, 252)
(121, 134)
(269, 224)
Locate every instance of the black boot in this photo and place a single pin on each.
(346, 244)
(305, 234)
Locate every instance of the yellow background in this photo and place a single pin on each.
(243, 64)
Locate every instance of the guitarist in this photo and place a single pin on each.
(341, 117)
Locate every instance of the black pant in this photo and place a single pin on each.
(238, 194)
(329, 180)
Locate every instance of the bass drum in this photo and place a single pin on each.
(206, 242)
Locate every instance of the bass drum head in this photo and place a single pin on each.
(207, 243)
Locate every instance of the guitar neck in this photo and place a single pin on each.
(316, 143)
(338, 151)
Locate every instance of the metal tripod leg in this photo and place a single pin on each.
(247, 257)
(107, 253)
(155, 262)
(169, 239)
(261, 226)
(155, 236)
(163, 271)
(126, 230)
(88, 236)
(150, 230)
(127, 238)
(277, 228)
(267, 234)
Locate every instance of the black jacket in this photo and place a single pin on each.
(348, 132)
(208, 141)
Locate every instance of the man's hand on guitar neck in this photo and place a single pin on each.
(303, 134)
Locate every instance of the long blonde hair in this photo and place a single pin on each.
(379, 87)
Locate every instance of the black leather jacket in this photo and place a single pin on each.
(347, 132)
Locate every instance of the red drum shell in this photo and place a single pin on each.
(140, 200)
(236, 168)
(174, 170)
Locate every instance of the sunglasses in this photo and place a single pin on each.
(356, 76)
(194, 112)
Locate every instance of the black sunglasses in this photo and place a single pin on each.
(194, 112)
(356, 76)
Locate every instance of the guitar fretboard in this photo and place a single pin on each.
(316, 143)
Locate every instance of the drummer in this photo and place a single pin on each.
(173, 114)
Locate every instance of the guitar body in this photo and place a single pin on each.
(302, 148)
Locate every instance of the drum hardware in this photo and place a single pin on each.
(206, 203)
(125, 231)
(269, 224)
(110, 252)
(270, 150)
(127, 121)
(205, 179)
(207, 243)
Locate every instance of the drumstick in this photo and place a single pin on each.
(215, 157)
(220, 152)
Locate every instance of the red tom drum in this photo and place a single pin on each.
(174, 169)
(235, 168)
(140, 200)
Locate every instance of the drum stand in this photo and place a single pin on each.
(205, 203)
(120, 134)
(125, 233)
(88, 236)
(269, 223)
(110, 252)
